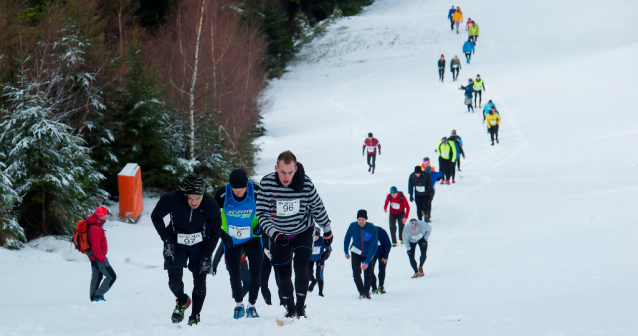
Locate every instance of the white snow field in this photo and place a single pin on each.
(537, 237)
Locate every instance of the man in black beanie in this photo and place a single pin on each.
(420, 183)
(241, 235)
(189, 241)
(364, 239)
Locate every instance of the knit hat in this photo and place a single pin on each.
(444, 139)
(417, 170)
(238, 179)
(393, 190)
(369, 135)
(192, 184)
(362, 214)
(101, 211)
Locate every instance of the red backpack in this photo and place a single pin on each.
(81, 237)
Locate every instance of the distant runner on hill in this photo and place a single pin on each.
(468, 50)
(417, 233)
(450, 15)
(457, 18)
(474, 32)
(459, 147)
(371, 145)
(469, 91)
(455, 66)
(399, 211)
(493, 120)
(479, 87)
(441, 68)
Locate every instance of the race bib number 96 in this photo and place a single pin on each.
(189, 239)
(287, 208)
(239, 232)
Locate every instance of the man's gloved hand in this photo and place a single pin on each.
(281, 239)
(257, 230)
(205, 265)
(169, 251)
(327, 238)
(411, 198)
(227, 240)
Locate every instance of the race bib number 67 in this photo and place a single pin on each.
(287, 208)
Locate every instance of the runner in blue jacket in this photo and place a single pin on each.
(320, 253)
(361, 239)
(381, 258)
(449, 17)
(468, 49)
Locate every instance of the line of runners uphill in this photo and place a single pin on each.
(455, 15)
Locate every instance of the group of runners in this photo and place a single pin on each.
(455, 15)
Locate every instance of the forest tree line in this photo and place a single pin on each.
(90, 85)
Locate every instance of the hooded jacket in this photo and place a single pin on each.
(97, 238)
(474, 29)
(362, 241)
(183, 219)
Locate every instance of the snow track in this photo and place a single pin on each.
(536, 238)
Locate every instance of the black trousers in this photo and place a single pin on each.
(478, 94)
(444, 166)
(493, 132)
(177, 287)
(318, 274)
(458, 162)
(441, 73)
(474, 38)
(254, 253)
(266, 268)
(382, 266)
(421, 205)
(428, 205)
(372, 159)
(468, 56)
(452, 168)
(423, 245)
(394, 220)
(455, 73)
(298, 250)
(451, 25)
(362, 286)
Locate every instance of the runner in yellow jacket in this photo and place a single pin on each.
(493, 120)
(457, 18)
(447, 159)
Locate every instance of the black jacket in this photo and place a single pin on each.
(425, 180)
(206, 219)
(456, 138)
(441, 64)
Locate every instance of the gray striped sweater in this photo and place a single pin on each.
(289, 209)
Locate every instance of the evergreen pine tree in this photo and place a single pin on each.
(11, 234)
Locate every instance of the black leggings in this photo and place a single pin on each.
(318, 275)
(394, 219)
(474, 38)
(470, 107)
(372, 159)
(455, 73)
(451, 24)
(177, 287)
(494, 132)
(382, 266)
(362, 286)
(468, 56)
(266, 268)
(478, 94)
(421, 205)
(298, 251)
(428, 207)
(254, 253)
(423, 245)
(441, 73)
(444, 166)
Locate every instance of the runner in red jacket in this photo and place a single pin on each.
(100, 267)
(372, 144)
(399, 211)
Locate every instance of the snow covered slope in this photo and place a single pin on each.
(536, 238)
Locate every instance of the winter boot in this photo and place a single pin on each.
(239, 312)
(193, 320)
(251, 312)
(180, 308)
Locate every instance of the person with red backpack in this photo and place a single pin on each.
(399, 211)
(100, 266)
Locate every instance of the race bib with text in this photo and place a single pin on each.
(287, 208)
(239, 232)
(189, 239)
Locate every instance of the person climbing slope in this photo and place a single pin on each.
(479, 87)
(457, 18)
(372, 145)
(441, 68)
(473, 32)
(493, 121)
(468, 50)
(469, 92)
(455, 67)
(399, 211)
(450, 15)
(417, 233)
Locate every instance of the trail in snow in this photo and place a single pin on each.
(536, 238)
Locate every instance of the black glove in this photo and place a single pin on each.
(327, 238)
(205, 265)
(227, 240)
(169, 251)
(411, 198)
(257, 230)
(281, 239)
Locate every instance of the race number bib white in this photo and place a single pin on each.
(267, 253)
(420, 188)
(395, 206)
(316, 250)
(493, 122)
(355, 250)
(239, 232)
(287, 208)
(189, 238)
(455, 65)
(417, 237)
(371, 149)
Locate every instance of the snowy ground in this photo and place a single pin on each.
(536, 238)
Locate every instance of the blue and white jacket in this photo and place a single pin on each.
(362, 241)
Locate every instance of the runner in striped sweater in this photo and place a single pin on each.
(287, 203)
